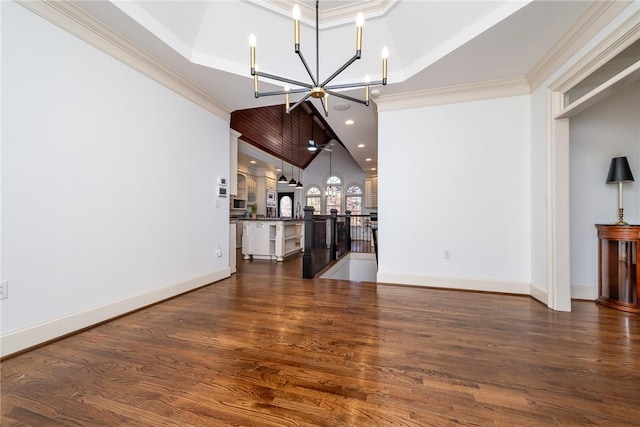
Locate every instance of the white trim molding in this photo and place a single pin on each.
(484, 285)
(584, 292)
(20, 340)
(74, 20)
(454, 94)
(613, 44)
(598, 15)
(539, 294)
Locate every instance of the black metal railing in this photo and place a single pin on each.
(329, 237)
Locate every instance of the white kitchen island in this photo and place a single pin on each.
(267, 238)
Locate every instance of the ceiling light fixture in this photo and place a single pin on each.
(292, 181)
(349, 122)
(361, 145)
(299, 186)
(282, 179)
(317, 89)
(311, 145)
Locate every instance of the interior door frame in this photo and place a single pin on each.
(558, 155)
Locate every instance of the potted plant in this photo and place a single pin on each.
(254, 210)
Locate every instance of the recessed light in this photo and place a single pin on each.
(373, 169)
(360, 145)
(368, 159)
(349, 122)
(253, 162)
(278, 170)
(342, 107)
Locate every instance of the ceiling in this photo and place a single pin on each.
(432, 44)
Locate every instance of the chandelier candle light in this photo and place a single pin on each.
(317, 89)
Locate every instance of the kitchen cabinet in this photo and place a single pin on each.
(371, 192)
(271, 238)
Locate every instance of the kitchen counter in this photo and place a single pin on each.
(270, 219)
(269, 238)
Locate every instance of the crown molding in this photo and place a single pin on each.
(599, 14)
(623, 36)
(74, 20)
(454, 94)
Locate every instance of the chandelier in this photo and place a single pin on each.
(317, 89)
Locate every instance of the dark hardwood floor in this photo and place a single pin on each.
(266, 348)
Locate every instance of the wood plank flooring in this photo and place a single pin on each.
(266, 348)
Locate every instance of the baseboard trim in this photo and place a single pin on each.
(484, 285)
(584, 292)
(539, 294)
(23, 339)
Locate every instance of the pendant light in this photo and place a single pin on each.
(292, 182)
(282, 179)
(299, 185)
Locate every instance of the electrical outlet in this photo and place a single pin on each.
(218, 252)
(4, 290)
(447, 254)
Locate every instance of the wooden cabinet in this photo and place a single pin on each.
(371, 192)
(619, 266)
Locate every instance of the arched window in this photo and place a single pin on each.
(353, 199)
(333, 195)
(286, 207)
(314, 198)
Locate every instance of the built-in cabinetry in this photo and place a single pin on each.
(246, 186)
(271, 239)
(371, 192)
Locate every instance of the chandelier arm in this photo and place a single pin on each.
(325, 105)
(348, 98)
(283, 79)
(282, 92)
(354, 85)
(306, 66)
(341, 69)
(299, 102)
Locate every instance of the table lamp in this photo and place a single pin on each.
(619, 172)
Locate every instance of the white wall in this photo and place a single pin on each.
(108, 185)
(456, 177)
(609, 128)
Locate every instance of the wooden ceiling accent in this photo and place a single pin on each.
(283, 135)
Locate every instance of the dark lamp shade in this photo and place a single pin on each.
(282, 179)
(619, 171)
(292, 183)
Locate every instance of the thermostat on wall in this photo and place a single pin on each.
(222, 191)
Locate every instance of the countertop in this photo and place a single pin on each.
(268, 219)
